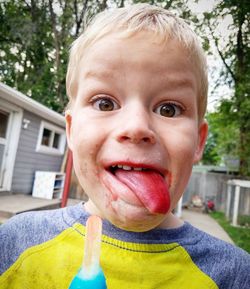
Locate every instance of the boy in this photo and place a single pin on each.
(137, 86)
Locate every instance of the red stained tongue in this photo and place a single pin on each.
(150, 188)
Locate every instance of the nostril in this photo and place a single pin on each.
(123, 138)
(137, 139)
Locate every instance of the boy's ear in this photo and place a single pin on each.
(68, 118)
(203, 132)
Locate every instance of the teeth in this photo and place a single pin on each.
(138, 169)
(126, 168)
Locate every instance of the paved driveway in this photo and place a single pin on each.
(205, 223)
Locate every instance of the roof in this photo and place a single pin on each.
(16, 97)
(214, 169)
(241, 183)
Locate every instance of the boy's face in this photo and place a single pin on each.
(136, 106)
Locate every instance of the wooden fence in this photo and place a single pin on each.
(211, 185)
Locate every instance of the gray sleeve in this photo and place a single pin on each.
(26, 230)
(241, 278)
(226, 264)
(12, 241)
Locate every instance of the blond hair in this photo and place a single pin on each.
(133, 19)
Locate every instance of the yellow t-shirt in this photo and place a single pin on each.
(44, 251)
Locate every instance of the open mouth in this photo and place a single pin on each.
(114, 168)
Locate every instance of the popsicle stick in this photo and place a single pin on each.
(92, 247)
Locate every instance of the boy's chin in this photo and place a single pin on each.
(137, 225)
(128, 217)
(137, 221)
(144, 224)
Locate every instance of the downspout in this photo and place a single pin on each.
(69, 165)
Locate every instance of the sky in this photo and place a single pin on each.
(202, 5)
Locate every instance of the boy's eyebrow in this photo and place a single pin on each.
(183, 82)
(99, 74)
(170, 82)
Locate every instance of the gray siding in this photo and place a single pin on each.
(28, 161)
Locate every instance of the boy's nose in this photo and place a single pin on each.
(136, 129)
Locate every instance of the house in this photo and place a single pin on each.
(32, 138)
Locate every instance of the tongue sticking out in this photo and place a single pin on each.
(150, 188)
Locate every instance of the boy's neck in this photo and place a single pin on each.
(171, 222)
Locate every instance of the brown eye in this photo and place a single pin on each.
(168, 110)
(105, 104)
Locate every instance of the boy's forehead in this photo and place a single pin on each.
(105, 58)
(151, 41)
(140, 47)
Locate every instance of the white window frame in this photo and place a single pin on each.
(49, 149)
(3, 141)
(12, 137)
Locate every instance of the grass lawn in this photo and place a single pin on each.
(240, 235)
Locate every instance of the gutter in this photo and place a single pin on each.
(16, 97)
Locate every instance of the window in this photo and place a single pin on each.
(46, 137)
(51, 139)
(56, 141)
(4, 116)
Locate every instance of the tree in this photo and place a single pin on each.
(234, 52)
(223, 141)
(26, 43)
(35, 37)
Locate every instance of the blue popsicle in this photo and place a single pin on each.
(90, 275)
(94, 282)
